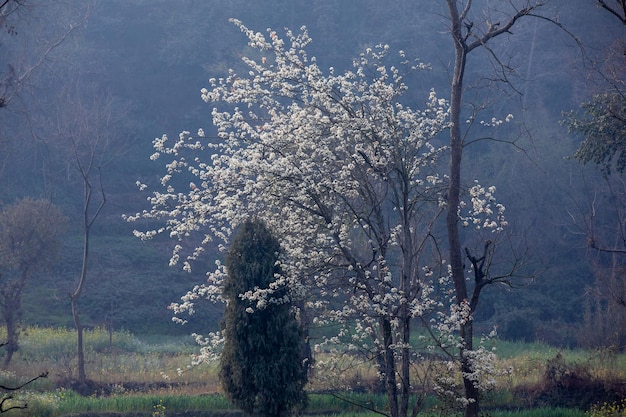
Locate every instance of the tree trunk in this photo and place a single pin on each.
(80, 352)
(472, 407)
(12, 295)
(390, 368)
(11, 343)
(404, 314)
(406, 363)
(452, 221)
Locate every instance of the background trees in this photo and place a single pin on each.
(601, 122)
(262, 368)
(154, 59)
(30, 241)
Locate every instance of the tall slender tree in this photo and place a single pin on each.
(85, 127)
(470, 32)
(262, 369)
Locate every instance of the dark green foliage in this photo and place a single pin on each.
(603, 126)
(518, 326)
(262, 368)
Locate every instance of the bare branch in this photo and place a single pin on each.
(591, 242)
(10, 397)
(7, 388)
(498, 29)
(366, 406)
(14, 82)
(615, 12)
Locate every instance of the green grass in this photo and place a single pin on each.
(70, 403)
(65, 403)
(539, 412)
(534, 351)
(143, 373)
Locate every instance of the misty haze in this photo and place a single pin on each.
(330, 207)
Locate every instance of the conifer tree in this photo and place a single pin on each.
(261, 368)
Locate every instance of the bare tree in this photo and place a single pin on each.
(85, 129)
(601, 224)
(27, 57)
(469, 35)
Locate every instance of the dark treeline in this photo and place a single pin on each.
(133, 71)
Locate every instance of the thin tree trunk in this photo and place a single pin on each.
(472, 407)
(11, 337)
(80, 352)
(82, 375)
(406, 363)
(404, 314)
(87, 223)
(390, 369)
(12, 298)
(463, 44)
(452, 222)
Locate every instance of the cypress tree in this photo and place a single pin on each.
(261, 367)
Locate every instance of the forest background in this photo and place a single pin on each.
(129, 71)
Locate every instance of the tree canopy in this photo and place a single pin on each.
(30, 240)
(346, 173)
(603, 127)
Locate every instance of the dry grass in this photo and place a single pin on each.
(127, 366)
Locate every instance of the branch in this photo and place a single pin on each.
(427, 325)
(563, 28)
(358, 404)
(591, 242)
(491, 138)
(497, 29)
(465, 11)
(614, 12)
(13, 407)
(103, 199)
(42, 375)
(5, 3)
(20, 79)
(10, 397)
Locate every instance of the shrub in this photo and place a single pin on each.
(613, 409)
(574, 386)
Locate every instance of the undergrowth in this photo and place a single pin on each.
(134, 375)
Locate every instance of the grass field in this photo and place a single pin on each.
(152, 377)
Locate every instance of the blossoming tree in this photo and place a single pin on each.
(344, 172)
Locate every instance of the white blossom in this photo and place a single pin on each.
(342, 170)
